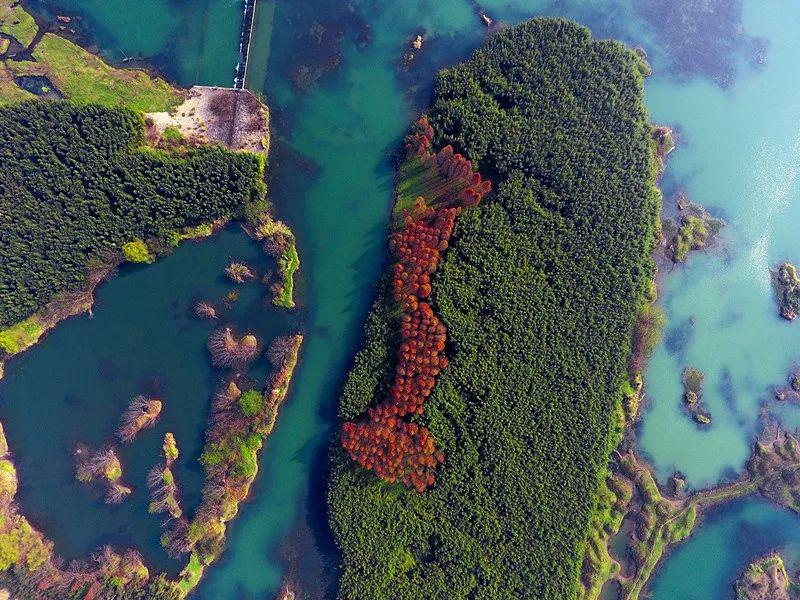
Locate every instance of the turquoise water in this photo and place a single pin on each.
(340, 103)
(189, 41)
(707, 565)
(739, 156)
(143, 338)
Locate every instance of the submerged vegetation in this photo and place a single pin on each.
(161, 482)
(205, 310)
(537, 290)
(660, 520)
(30, 570)
(786, 284)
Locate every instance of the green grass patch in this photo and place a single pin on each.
(17, 23)
(84, 78)
(599, 566)
(172, 135)
(190, 233)
(22, 335)
(191, 574)
(251, 402)
(288, 263)
(681, 527)
(10, 92)
(137, 252)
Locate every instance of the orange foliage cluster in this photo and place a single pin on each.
(397, 450)
(453, 179)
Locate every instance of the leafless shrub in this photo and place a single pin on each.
(205, 310)
(141, 413)
(238, 272)
(228, 352)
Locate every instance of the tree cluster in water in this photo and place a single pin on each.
(538, 293)
(76, 184)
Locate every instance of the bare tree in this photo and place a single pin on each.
(226, 351)
(141, 413)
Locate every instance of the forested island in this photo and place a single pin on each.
(537, 293)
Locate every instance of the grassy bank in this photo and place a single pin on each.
(74, 72)
(17, 23)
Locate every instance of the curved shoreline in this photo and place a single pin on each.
(237, 120)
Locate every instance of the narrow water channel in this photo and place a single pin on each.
(341, 99)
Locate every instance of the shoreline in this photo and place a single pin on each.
(197, 116)
(82, 301)
(672, 516)
(210, 543)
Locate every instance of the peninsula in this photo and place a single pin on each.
(134, 167)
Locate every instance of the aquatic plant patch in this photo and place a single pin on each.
(786, 285)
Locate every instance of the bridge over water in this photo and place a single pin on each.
(244, 43)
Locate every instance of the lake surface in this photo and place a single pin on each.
(142, 339)
(708, 564)
(331, 72)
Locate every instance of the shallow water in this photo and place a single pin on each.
(340, 103)
(707, 565)
(739, 155)
(142, 339)
(189, 41)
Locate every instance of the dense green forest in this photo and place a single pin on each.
(538, 290)
(76, 184)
